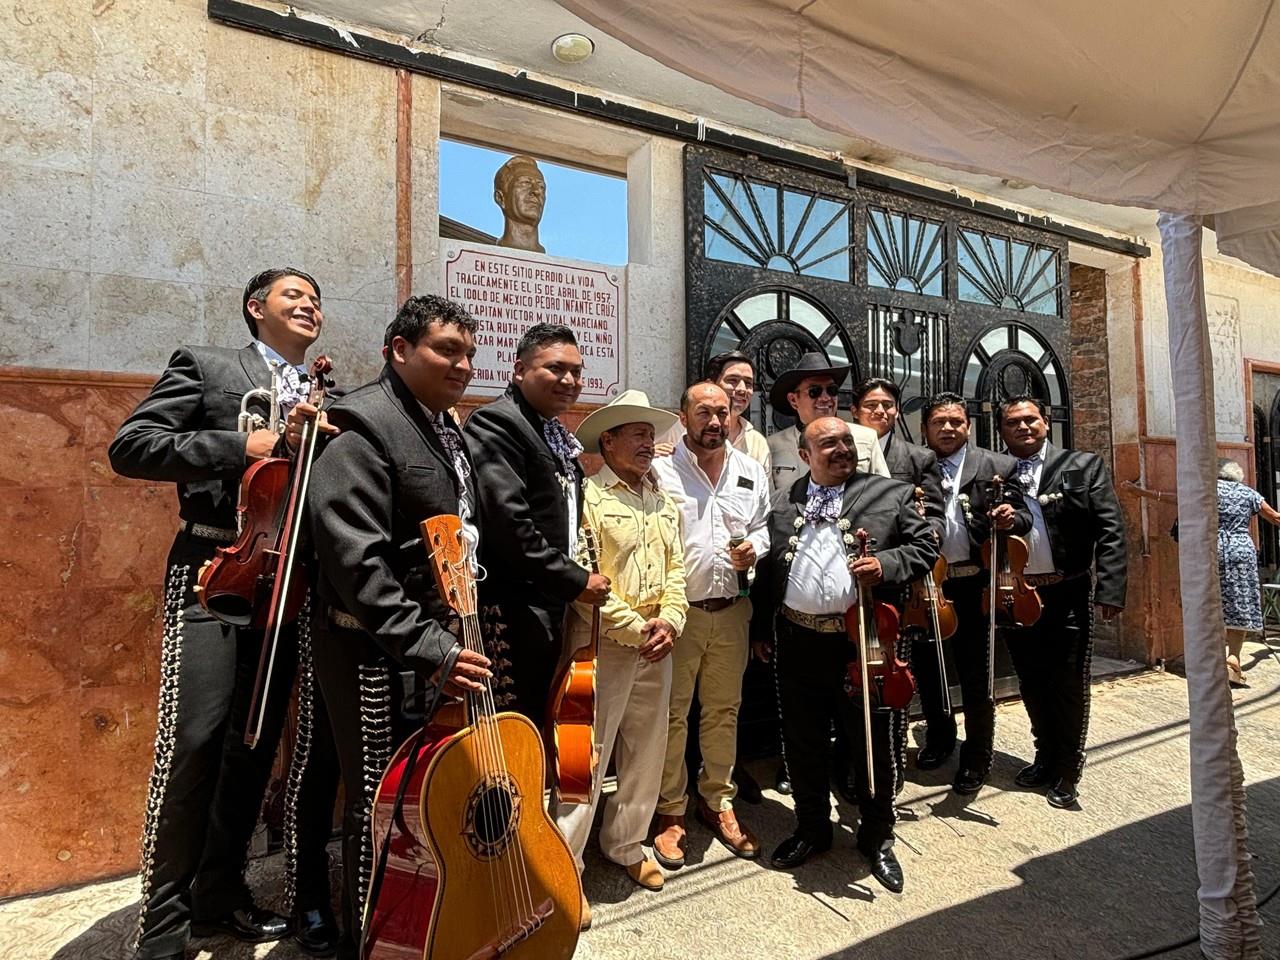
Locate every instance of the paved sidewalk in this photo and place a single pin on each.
(1003, 875)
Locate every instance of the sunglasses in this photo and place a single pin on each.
(831, 390)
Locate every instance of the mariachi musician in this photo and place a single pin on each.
(877, 403)
(967, 472)
(531, 488)
(1077, 560)
(383, 640)
(207, 786)
(811, 578)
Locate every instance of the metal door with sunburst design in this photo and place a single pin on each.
(782, 261)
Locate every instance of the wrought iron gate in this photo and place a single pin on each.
(780, 261)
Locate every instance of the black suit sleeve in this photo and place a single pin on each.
(1015, 496)
(915, 550)
(930, 481)
(160, 441)
(350, 504)
(1109, 554)
(511, 536)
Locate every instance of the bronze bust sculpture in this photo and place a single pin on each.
(521, 192)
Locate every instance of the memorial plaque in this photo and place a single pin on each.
(509, 292)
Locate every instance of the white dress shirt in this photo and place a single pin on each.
(741, 495)
(1041, 558)
(955, 541)
(819, 581)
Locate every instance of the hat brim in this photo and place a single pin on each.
(793, 378)
(616, 415)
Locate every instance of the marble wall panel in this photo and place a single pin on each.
(47, 36)
(255, 156)
(146, 134)
(127, 534)
(160, 45)
(116, 629)
(39, 770)
(242, 237)
(352, 336)
(137, 323)
(247, 71)
(352, 98)
(224, 324)
(45, 525)
(43, 216)
(41, 655)
(44, 423)
(106, 407)
(47, 115)
(44, 317)
(141, 230)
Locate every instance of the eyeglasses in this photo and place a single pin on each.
(831, 390)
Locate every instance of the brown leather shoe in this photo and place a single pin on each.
(668, 842)
(740, 841)
(585, 922)
(646, 873)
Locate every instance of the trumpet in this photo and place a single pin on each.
(249, 420)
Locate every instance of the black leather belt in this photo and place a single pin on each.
(1049, 579)
(714, 604)
(206, 532)
(956, 571)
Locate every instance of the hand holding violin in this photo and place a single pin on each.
(867, 570)
(259, 444)
(1002, 516)
(300, 414)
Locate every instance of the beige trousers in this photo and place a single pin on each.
(631, 713)
(711, 656)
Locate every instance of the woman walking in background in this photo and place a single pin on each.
(1237, 557)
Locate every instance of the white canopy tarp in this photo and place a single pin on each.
(1167, 104)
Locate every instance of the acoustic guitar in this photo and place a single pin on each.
(475, 869)
(573, 708)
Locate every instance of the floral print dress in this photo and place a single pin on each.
(1237, 556)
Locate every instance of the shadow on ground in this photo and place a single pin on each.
(1111, 897)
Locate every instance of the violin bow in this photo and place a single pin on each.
(286, 561)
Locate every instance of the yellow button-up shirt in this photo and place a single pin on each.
(639, 549)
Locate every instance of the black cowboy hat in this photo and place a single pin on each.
(810, 365)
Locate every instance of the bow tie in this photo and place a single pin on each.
(823, 504)
(562, 443)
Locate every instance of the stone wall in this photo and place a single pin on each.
(1090, 374)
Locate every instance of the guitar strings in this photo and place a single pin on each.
(496, 753)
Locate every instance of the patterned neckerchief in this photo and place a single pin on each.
(562, 443)
(1027, 470)
(452, 444)
(293, 378)
(823, 504)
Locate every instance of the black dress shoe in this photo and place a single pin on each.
(795, 850)
(252, 924)
(783, 781)
(931, 757)
(968, 782)
(316, 932)
(1062, 794)
(1032, 775)
(748, 788)
(886, 869)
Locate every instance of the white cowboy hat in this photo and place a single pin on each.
(630, 406)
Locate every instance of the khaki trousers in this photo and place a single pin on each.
(711, 656)
(631, 710)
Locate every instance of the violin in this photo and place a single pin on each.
(1017, 604)
(251, 583)
(873, 625)
(928, 609)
